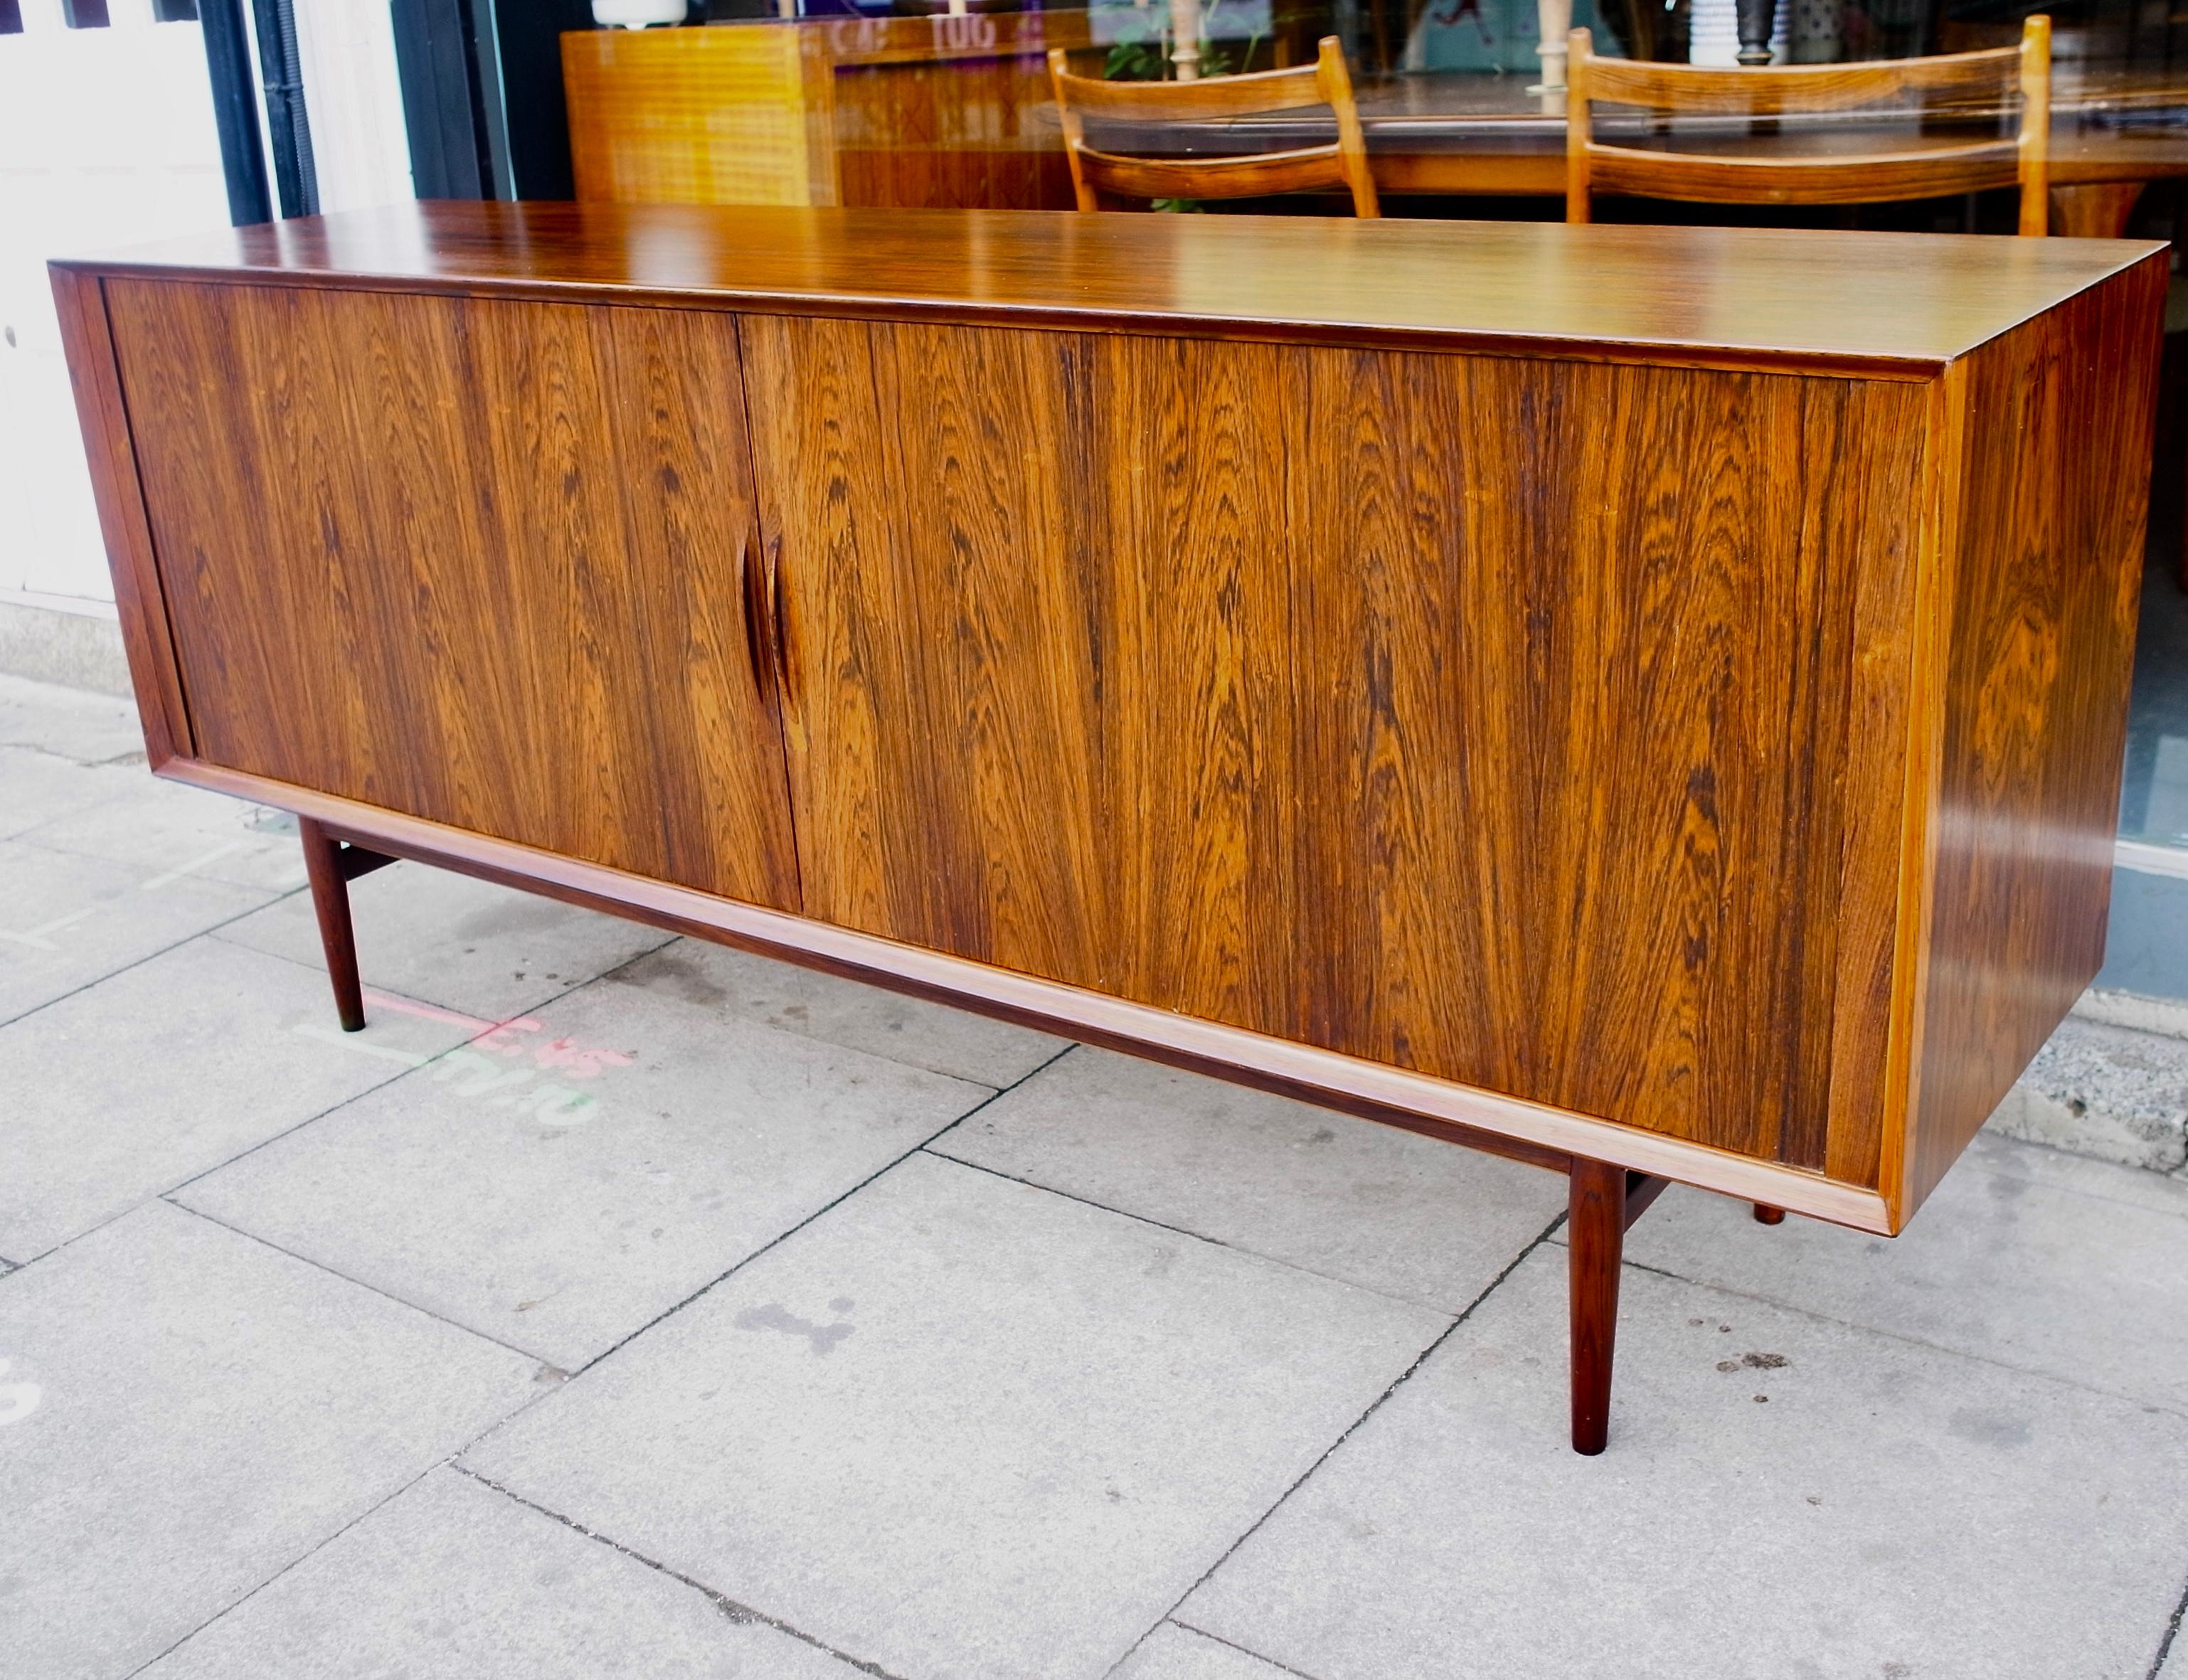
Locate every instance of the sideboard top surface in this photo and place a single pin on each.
(1821, 301)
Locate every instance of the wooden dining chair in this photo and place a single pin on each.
(1100, 176)
(1968, 84)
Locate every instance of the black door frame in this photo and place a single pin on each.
(483, 95)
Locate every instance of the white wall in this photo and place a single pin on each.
(107, 139)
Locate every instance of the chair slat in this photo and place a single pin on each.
(1961, 77)
(1227, 177)
(1872, 178)
(1213, 97)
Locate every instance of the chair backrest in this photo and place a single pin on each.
(1097, 176)
(1966, 85)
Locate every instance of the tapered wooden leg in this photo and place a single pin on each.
(1766, 1215)
(323, 863)
(1595, 1233)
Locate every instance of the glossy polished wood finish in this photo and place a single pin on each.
(1062, 720)
(489, 575)
(139, 595)
(1097, 176)
(937, 591)
(1490, 671)
(1810, 302)
(1521, 701)
(2040, 593)
(1978, 82)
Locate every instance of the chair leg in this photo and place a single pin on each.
(1595, 1234)
(1766, 1215)
(331, 899)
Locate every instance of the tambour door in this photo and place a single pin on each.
(1036, 626)
(481, 562)
(1538, 724)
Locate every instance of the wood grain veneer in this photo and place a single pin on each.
(1822, 302)
(490, 571)
(138, 593)
(1561, 690)
(1206, 689)
(2038, 586)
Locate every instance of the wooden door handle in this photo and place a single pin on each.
(759, 616)
(778, 624)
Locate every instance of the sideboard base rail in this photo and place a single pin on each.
(1510, 1126)
(1604, 1199)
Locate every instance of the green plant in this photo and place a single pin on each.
(1137, 61)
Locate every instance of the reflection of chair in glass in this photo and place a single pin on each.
(1099, 177)
(1823, 164)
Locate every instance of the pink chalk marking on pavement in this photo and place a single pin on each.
(403, 1006)
(561, 1053)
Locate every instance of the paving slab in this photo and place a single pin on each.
(464, 944)
(452, 1580)
(92, 729)
(164, 829)
(1368, 1204)
(2115, 1092)
(561, 1207)
(1884, 1509)
(961, 1426)
(186, 1412)
(37, 787)
(1175, 1653)
(149, 1078)
(67, 920)
(2176, 1660)
(906, 1030)
(2073, 1267)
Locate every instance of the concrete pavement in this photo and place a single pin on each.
(618, 1306)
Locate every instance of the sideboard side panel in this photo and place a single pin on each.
(2041, 634)
(101, 410)
(477, 561)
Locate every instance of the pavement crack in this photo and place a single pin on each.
(818, 1213)
(1242, 1650)
(368, 1287)
(1327, 1452)
(743, 1614)
(294, 1563)
(2172, 1632)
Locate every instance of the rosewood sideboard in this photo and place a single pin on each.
(1648, 702)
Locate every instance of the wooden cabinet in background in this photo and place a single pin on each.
(941, 111)
(1646, 700)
